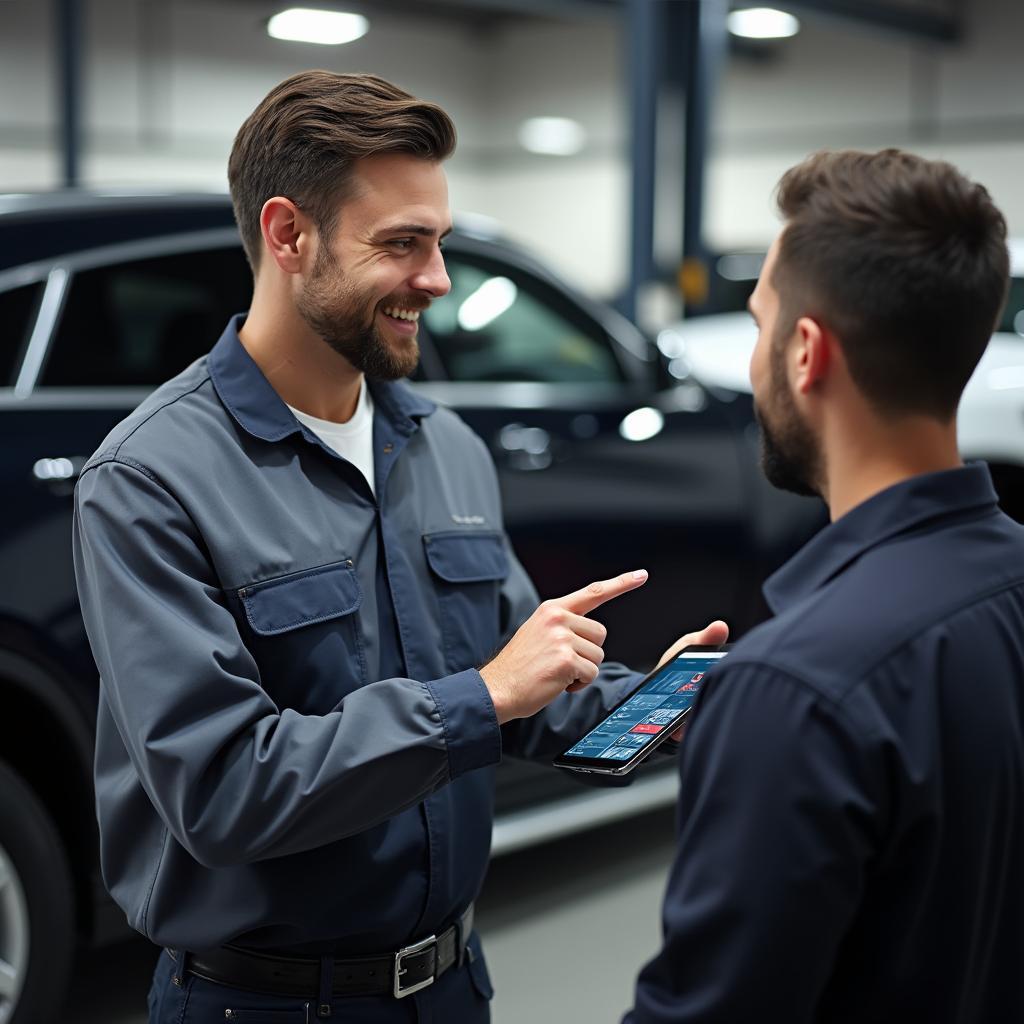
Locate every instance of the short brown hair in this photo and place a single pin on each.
(905, 260)
(303, 139)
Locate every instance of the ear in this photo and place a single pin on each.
(285, 230)
(813, 354)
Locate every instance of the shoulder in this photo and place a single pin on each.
(175, 418)
(895, 603)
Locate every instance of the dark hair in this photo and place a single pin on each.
(905, 260)
(303, 139)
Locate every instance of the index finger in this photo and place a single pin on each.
(596, 594)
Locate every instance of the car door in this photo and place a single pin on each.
(109, 326)
(600, 471)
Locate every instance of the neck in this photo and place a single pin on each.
(866, 460)
(306, 372)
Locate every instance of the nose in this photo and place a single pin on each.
(432, 277)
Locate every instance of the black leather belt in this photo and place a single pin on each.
(397, 974)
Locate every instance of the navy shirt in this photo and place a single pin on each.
(295, 749)
(851, 818)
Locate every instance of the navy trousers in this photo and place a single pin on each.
(461, 994)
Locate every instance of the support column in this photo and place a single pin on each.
(69, 50)
(643, 18)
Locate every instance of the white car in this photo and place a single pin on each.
(716, 350)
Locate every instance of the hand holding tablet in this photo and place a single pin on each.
(648, 716)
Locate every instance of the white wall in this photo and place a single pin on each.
(169, 81)
(835, 86)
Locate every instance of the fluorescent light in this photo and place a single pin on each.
(552, 136)
(762, 23)
(305, 25)
(487, 303)
(642, 424)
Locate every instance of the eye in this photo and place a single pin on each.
(403, 243)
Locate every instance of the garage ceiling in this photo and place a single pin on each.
(940, 20)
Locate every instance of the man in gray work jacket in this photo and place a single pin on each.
(290, 568)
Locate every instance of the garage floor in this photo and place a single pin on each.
(565, 928)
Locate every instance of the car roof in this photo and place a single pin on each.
(83, 219)
(40, 226)
(64, 201)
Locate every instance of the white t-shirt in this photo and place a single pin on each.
(352, 440)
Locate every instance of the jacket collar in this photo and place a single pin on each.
(948, 494)
(258, 408)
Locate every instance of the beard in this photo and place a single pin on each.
(336, 312)
(790, 454)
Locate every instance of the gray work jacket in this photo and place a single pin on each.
(295, 748)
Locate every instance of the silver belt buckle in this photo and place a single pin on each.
(401, 991)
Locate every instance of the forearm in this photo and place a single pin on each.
(233, 790)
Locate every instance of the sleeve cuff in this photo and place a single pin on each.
(471, 731)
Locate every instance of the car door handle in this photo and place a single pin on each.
(526, 449)
(60, 473)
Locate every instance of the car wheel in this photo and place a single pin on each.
(36, 907)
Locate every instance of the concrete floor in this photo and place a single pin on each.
(565, 927)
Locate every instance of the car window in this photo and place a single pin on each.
(1013, 315)
(140, 322)
(18, 308)
(501, 324)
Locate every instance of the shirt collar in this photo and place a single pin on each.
(259, 409)
(898, 509)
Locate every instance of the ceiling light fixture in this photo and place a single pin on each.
(762, 23)
(306, 25)
(552, 136)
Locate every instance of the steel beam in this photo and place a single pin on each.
(706, 49)
(643, 18)
(69, 50)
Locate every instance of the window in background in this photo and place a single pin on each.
(139, 323)
(499, 324)
(18, 309)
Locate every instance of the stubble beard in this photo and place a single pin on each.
(790, 454)
(336, 312)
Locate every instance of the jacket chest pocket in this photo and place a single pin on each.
(306, 635)
(468, 570)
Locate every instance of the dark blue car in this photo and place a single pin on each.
(607, 462)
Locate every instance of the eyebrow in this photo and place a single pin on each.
(413, 229)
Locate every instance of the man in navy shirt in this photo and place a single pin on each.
(851, 817)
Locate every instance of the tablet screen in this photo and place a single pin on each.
(649, 710)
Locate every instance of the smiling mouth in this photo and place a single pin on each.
(399, 313)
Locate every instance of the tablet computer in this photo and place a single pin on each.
(646, 717)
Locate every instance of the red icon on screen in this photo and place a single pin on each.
(692, 685)
(648, 727)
